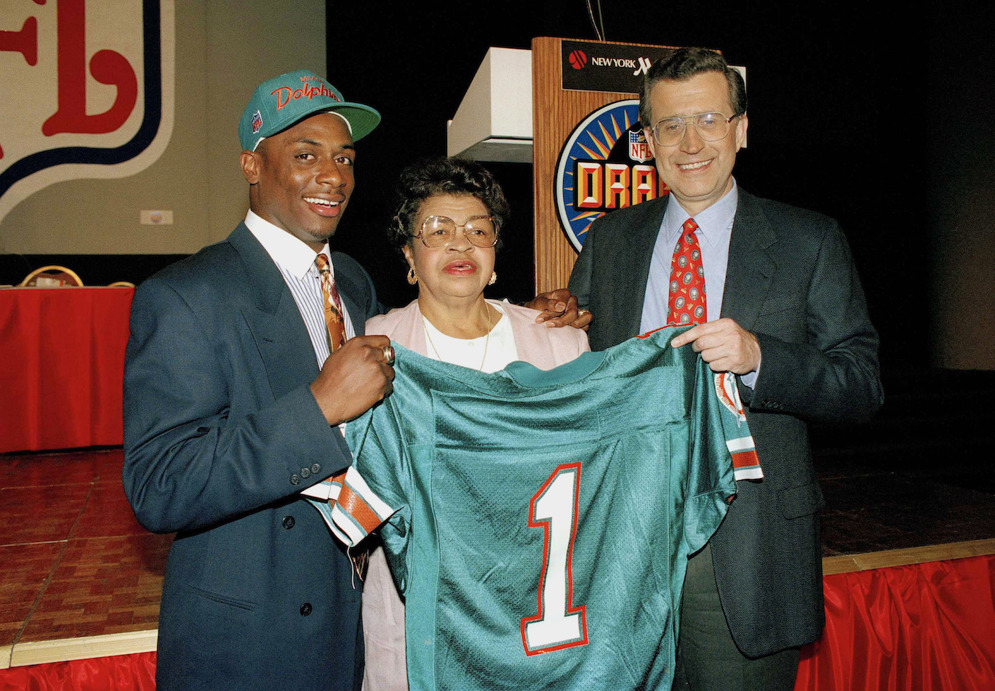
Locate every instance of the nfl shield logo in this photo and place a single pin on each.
(257, 122)
(639, 148)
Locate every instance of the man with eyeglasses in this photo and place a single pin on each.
(780, 305)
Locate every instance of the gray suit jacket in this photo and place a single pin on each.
(791, 281)
(220, 435)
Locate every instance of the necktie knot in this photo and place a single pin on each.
(322, 263)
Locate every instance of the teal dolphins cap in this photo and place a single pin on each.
(283, 101)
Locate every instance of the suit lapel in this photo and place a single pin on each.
(272, 317)
(751, 266)
(635, 243)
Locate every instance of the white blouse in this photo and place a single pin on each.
(489, 353)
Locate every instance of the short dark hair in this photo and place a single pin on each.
(683, 64)
(438, 176)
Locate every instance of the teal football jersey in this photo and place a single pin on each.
(538, 522)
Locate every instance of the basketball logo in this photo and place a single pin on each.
(577, 59)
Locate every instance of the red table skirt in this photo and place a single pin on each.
(62, 367)
(118, 673)
(921, 627)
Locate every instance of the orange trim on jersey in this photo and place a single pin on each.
(358, 509)
(650, 333)
(745, 459)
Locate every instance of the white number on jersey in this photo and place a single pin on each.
(554, 509)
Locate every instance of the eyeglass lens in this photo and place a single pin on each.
(710, 126)
(438, 231)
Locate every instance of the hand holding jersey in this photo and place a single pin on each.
(353, 379)
(724, 345)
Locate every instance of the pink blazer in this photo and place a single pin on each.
(537, 345)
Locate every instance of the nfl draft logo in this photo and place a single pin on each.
(606, 164)
(87, 91)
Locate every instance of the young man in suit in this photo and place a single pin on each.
(235, 388)
(785, 311)
(232, 407)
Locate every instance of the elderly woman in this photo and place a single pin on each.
(448, 226)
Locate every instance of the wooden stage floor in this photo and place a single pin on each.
(80, 578)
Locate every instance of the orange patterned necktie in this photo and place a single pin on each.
(687, 280)
(333, 305)
(336, 339)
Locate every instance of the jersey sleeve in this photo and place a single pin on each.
(735, 430)
(373, 493)
(723, 453)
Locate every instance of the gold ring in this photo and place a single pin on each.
(582, 312)
(388, 354)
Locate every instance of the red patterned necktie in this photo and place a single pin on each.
(687, 280)
(333, 305)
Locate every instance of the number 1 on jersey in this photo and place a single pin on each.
(554, 509)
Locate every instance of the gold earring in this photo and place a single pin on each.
(412, 276)
(493, 278)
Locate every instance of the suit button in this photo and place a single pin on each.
(294, 480)
(315, 468)
(288, 522)
(305, 609)
(305, 473)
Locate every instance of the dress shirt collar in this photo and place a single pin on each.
(714, 223)
(289, 253)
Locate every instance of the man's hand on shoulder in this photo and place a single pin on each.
(353, 379)
(724, 345)
(559, 308)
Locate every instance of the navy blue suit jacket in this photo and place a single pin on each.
(790, 281)
(221, 433)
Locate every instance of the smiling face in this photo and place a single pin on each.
(301, 178)
(459, 270)
(697, 172)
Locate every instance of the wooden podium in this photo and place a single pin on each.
(561, 98)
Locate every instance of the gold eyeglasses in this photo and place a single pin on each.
(439, 231)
